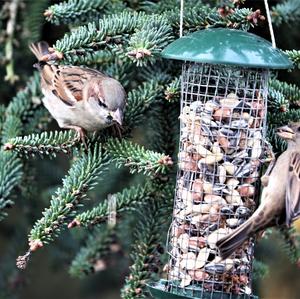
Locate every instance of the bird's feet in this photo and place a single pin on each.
(270, 158)
(117, 130)
(81, 134)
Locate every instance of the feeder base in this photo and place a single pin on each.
(158, 291)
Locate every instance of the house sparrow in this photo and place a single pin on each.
(79, 98)
(280, 200)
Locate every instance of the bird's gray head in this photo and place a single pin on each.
(107, 99)
(108, 115)
(290, 133)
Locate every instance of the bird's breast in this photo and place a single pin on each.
(77, 115)
(87, 118)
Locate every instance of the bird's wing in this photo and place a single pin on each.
(94, 89)
(68, 82)
(292, 202)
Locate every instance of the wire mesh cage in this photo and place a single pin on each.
(222, 136)
(222, 132)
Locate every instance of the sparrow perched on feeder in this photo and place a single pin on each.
(79, 98)
(280, 200)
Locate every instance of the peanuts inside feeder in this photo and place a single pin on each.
(222, 135)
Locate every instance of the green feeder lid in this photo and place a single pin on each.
(229, 47)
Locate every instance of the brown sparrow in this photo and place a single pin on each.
(280, 200)
(79, 98)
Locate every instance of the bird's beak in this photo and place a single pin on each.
(285, 133)
(118, 116)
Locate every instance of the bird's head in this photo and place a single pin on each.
(103, 111)
(290, 133)
(107, 99)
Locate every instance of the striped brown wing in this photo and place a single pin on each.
(68, 82)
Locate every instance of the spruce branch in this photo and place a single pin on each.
(160, 72)
(277, 143)
(148, 33)
(80, 11)
(2, 116)
(33, 24)
(10, 176)
(294, 55)
(152, 6)
(97, 57)
(129, 199)
(291, 243)
(148, 41)
(18, 111)
(111, 30)
(28, 185)
(121, 71)
(38, 122)
(286, 12)
(81, 177)
(291, 92)
(172, 93)
(276, 120)
(198, 15)
(45, 143)
(161, 130)
(11, 127)
(277, 101)
(137, 158)
(21, 109)
(201, 17)
(139, 101)
(283, 102)
(292, 115)
(260, 270)
(90, 258)
(229, 3)
(147, 248)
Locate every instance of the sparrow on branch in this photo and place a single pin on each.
(79, 98)
(280, 200)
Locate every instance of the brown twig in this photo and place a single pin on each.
(10, 29)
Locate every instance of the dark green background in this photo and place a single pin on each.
(47, 276)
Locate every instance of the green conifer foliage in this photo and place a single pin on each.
(123, 39)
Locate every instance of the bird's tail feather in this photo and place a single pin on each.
(230, 243)
(39, 49)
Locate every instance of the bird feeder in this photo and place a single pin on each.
(224, 89)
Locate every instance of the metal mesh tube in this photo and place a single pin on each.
(222, 131)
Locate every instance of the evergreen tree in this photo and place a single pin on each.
(123, 39)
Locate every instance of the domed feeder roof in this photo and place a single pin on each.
(229, 47)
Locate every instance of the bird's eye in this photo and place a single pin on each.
(109, 118)
(101, 104)
(298, 130)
